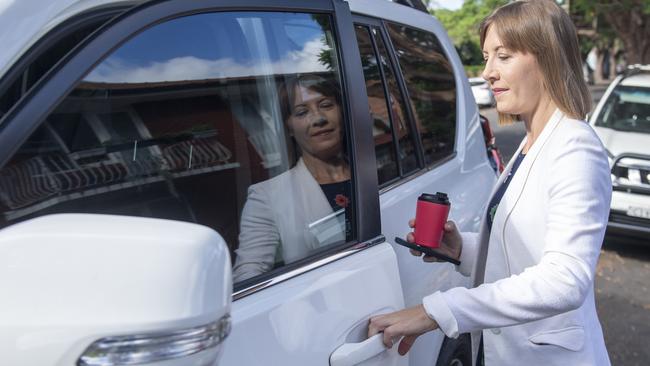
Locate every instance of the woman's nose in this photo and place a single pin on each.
(489, 73)
(318, 120)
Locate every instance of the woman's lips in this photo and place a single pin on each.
(498, 91)
(321, 133)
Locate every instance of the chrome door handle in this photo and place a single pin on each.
(353, 353)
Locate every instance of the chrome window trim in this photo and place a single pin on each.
(308, 267)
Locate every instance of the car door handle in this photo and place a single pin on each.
(353, 353)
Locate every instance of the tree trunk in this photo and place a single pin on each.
(632, 26)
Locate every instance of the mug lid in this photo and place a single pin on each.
(439, 198)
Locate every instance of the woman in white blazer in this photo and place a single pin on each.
(302, 209)
(545, 223)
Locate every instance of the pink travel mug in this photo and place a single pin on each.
(430, 218)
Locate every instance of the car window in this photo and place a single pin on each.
(386, 108)
(229, 120)
(429, 78)
(627, 109)
(59, 43)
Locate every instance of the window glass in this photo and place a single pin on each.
(386, 107)
(230, 120)
(45, 61)
(385, 150)
(627, 109)
(398, 112)
(429, 78)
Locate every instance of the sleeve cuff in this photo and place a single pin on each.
(468, 253)
(437, 309)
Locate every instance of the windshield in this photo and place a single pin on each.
(627, 109)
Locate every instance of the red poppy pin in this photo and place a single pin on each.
(341, 200)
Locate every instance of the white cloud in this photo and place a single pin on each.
(192, 68)
(446, 4)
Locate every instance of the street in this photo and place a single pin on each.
(622, 295)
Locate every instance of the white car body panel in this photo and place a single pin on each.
(37, 290)
(301, 321)
(626, 202)
(619, 142)
(269, 325)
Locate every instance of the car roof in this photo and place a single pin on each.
(24, 22)
(642, 80)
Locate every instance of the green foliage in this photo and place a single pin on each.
(462, 26)
(473, 70)
(603, 6)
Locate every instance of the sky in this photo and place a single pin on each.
(446, 4)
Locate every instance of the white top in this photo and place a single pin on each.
(284, 215)
(538, 297)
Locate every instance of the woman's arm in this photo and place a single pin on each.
(579, 191)
(258, 237)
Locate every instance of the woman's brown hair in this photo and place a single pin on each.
(543, 29)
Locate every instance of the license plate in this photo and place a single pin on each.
(642, 212)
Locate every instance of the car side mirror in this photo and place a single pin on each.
(82, 289)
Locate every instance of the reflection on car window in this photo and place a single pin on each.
(429, 78)
(386, 107)
(627, 109)
(230, 120)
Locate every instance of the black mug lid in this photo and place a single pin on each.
(439, 198)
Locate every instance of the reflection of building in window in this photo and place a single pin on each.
(47, 179)
(80, 155)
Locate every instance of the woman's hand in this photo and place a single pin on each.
(451, 244)
(408, 323)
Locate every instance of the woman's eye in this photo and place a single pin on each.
(300, 112)
(503, 57)
(326, 104)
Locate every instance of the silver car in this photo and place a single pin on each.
(622, 120)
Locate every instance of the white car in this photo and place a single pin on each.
(482, 92)
(130, 133)
(622, 120)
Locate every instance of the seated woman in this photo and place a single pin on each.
(289, 215)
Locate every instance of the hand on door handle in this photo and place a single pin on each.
(353, 353)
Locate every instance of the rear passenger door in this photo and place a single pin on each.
(178, 110)
(416, 100)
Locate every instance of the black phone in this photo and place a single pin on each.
(426, 250)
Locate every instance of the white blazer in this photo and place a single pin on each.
(276, 222)
(537, 304)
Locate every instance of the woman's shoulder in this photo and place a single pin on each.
(574, 131)
(277, 184)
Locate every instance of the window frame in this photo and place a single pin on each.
(402, 82)
(32, 109)
(17, 71)
(392, 59)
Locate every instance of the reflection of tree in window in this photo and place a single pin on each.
(431, 86)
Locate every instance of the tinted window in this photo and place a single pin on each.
(627, 109)
(429, 78)
(230, 120)
(387, 108)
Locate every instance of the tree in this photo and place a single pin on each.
(462, 26)
(629, 19)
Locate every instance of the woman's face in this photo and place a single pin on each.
(515, 77)
(315, 123)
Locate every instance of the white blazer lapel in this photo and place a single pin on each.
(513, 193)
(312, 202)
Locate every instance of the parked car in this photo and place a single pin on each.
(622, 121)
(132, 134)
(482, 92)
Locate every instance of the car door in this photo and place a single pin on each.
(426, 140)
(172, 110)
